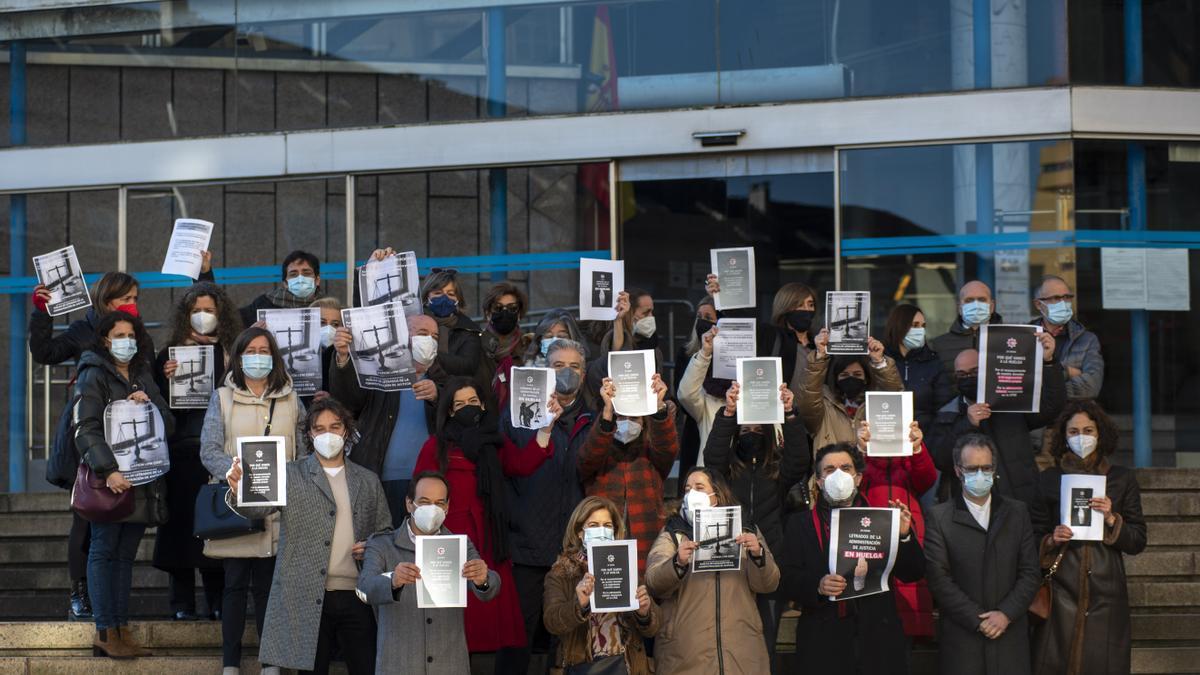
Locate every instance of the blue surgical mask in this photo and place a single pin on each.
(442, 306)
(976, 313)
(978, 483)
(257, 366)
(915, 339)
(302, 286)
(123, 349)
(545, 346)
(596, 535)
(1058, 313)
(327, 334)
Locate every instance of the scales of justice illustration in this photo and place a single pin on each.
(718, 535)
(381, 344)
(295, 351)
(383, 290)
(64, 283)
(137, 435)
(194, 376)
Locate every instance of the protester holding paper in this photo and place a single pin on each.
(634, 328)
(331, 321)
(341, 504)
(1089, 626)
(904, 340)
(976, 307)
(1077, 348)
(832, 400)
(460, 349)
(204, 317)
(256, 400)
(584, 636)
(693, 383)
(301, 279)
(711, 619)
(503, 342)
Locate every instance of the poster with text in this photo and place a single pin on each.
(735, 339)
(715, 531)
(863, 549)
(264, 471)
(529, 398)
(613, 564)
(759, 379)
(440, 559)
(192, 384)
(599, 283)
(185, 253)
(631, 372)
(393, 279)
(848, 317)
(1010, 367)
(60, 272)
(734, 268)
(135, 433)
(379, 346)
(889, 413)
(298, 334)
(1075, 494)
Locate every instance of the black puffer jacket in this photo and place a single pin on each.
(923, 375)
(99, 384)
(761, 496)
(49, 349)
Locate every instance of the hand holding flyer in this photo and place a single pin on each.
(734, 268)
(631, 374)
(263, 464)
(600, 281)
(185, 253)
(1010, 368)
(613, 566)
(758, 398)
(441, 560)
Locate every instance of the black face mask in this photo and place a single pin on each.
(851, 387)
(750, 444)
(799, 320)
(968, 386)
(702, 327)
(469, 416)
(504, 321)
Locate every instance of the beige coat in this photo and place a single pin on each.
(690, 639)
(824, 415)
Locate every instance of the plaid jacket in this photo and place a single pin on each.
(632, 476)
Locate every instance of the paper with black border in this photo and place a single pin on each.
(298, 334)
(1008, 382)
(613, 564)
(264, 471)
(441, 559)
(735, 339)
(848, 318)
(137, 437)
(631, 373)
(734, 268)
(1075, 489)
(185, 252)
(890, 413)
(600, 281)
(530, 391)
(60, 272)
(380, 347)
(393, 279)
(758, 400)
(856, 534)
(715, 530)
(192, 384)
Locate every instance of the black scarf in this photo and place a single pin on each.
(481, 445)
(715, 386)
(787, 352)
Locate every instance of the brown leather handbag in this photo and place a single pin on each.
(1043, 602)
(94, 502)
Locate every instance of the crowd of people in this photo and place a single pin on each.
(331, 573)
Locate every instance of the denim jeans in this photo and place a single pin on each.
(110, 571)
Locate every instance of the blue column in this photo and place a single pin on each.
(985, 203)
(1139, 319)
(18, 445)
(497, 92)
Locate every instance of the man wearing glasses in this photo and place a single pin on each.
(1075, 347)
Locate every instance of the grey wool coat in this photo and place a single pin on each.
(293, 620)
(413, 640)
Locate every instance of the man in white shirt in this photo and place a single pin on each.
(982, 565)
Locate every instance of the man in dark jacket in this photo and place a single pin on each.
(1016, 469)
(982, 566)
(301, 278)
(975, 308)
(1077, 348)
(860, 635)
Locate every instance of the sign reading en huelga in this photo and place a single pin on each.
(1010, 368)
(862, 549)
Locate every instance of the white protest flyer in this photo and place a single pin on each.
(599, 283)
(264, 471)
(862, 549)
(631, 372)
(715, 530)
(613, 564)
(441, 559)
(192, 384)
(393, 279)
(185, 253)
(1010, 367)
(848, 317)
(529, 398)
(298, 334)
(759, 379)
(379, 346)
(60, 272)
(735, 339)
(135, 433)
(890, 413)
(1126, 275)
(734, 268)
(1075, 511)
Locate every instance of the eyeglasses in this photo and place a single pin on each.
(1055, 299)
(449, 271)
(511, 307)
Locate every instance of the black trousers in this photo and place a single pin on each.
(78, 543)
(182, 585)
(348, 624)
(242, 574)
(530, 581)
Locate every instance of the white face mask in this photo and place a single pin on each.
(839, 486)
(627, 430)
(428, 518)
(328, 445)
(694, 500)
(424, 349)
(595, 535)
(204, 323)
(1082, 444)
(644, 327)
(327, 333)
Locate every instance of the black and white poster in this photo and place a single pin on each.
(734, 268)
(185, 253)
(863, 549)
(631, 373)
(613, 564)
(192, 385)
(1010, 368)
(298, 334)
(440, 559)
(715, 530)
(529, 397)
(889, 413)
(848, 317)
(599, 283)
(759, 379)
(735, 339)
(1075, 494)
(393, 279)
(379, 346)
(264, 471)
(135, 433)
(60, 272)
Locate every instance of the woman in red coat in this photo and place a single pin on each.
(906, 479)
(475, 458)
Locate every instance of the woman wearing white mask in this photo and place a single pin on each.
(710, 619)
(204, 316)
(333, 506)
(904, 339)
(1089, 576)
(255, 400)
(603, 639)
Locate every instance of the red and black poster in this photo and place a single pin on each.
(1010, 368)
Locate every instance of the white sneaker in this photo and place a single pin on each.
(230, 670)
